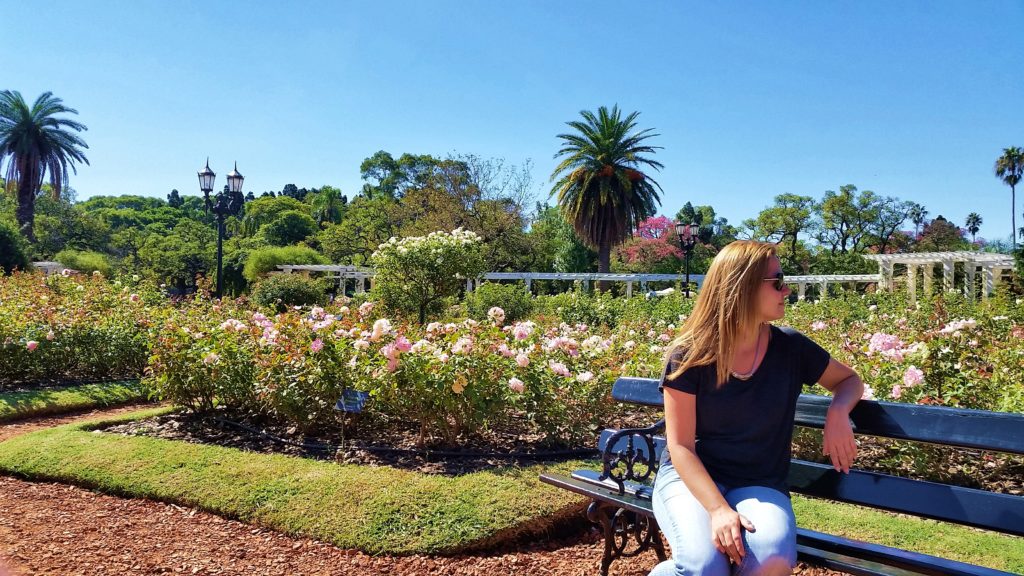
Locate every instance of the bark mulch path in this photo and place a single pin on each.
(55, 529)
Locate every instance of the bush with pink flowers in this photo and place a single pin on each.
(74, 327)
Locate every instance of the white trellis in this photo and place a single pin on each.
(991, 266)
(339, 272)
(586, 278)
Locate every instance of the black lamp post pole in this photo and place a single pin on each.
(687, 240)
(224, 204)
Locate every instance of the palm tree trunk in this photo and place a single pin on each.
(604, 253)
(1013, 216)
(26, 210)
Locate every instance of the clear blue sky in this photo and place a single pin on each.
(911, 99)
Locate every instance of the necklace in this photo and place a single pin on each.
(753, 365)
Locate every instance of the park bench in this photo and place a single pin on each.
(621, 491)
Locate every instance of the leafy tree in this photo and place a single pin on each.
(368, 223)
(392, 178)
(973, 225)
(174, 200)
(783, 222)
(35, 142)
(1009, 168)
(264, 260)
(266, 209)
(178, 257)
(290, 227)
(652, 249)
(600, 189)
(846, 218)
(891, 213)
(12, 250)
(940, 235)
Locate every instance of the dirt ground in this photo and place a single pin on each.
(55, 529)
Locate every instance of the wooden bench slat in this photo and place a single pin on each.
(979, 429)
(978, 508)
(588, 489)
(826, 548)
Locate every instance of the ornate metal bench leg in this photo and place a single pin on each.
(600, 513)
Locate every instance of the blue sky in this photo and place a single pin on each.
(751, 99)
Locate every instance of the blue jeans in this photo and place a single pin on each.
(687, 527)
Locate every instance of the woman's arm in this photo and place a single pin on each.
(680, 437)
(847, 389)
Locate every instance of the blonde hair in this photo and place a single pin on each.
(726, 307)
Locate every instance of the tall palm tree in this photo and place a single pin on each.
(918, 215)
(34, 142)
(973, 224)
(1009, 168)
(601, 190)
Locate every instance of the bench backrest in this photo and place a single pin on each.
(976, 429)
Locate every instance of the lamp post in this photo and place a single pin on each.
(687, 240)
(224, 204)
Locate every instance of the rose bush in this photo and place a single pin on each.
(75, 327)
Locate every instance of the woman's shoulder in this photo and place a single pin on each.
(788, 335)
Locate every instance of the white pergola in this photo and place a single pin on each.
(990, 265)
(340, 272)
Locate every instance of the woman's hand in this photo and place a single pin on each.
(838, 442)
(726, 532)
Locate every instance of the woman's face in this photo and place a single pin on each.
(771, 301)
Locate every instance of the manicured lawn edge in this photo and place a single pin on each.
(376, 509)
(47, 402)
(386, 511)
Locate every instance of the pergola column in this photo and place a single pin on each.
(912, 282)
(928, 273)
(885, 271)
(969, 288)
(947, 274)
(824, 290)
(989, 281)
(801, 290)
(529, 285)
(629, 288)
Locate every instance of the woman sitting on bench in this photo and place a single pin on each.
(731, 385)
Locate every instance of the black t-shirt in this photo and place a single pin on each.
(745, 427)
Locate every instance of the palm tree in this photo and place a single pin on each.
(328, 205)
(973, 224)
(918, 215)
(34, 141)
(600, 189)
(1009, 168)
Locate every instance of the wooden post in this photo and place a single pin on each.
(947, 274)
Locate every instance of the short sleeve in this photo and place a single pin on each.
(813, 359)
(685, 382)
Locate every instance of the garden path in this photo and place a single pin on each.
(51, 529)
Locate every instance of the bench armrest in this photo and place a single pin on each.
(636, 461)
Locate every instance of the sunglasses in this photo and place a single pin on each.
(779, 281)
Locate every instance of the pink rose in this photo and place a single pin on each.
(516, 385)
(31, 345)
(913, 376)
(523, 360)
(316, 345)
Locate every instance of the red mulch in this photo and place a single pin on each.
(48, 528)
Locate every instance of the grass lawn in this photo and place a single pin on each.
(387, 511)
(25, 404)
(378, 509)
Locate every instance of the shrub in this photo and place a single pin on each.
(12, 250)
(266, 260)
(85, 261)
(282, 291)
(512, 298)
(416, 275)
